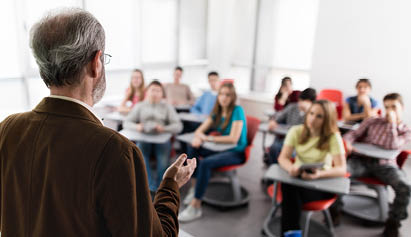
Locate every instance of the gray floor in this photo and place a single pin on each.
(248, 221)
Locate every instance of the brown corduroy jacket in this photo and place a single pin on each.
(64, 174)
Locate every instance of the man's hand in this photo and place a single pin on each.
(180, 173)
(140, 127)
(392, 116)
(349, 147)
(272, 125)
(364, 100)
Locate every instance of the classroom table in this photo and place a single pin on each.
(269, 113)
(374, 151)
(115, 116)
(281, 130)
(191, 117)
(188, 138)
(347, 126)
(339, 185)
(182, 108)
(151, 138)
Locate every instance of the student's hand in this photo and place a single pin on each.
(272, 125)
(202, 136)
(140, 127)
(349, 147)
(310, 176)
(196, 143)
(391, 116)
(294, 171)
(364, 100)
(160, 128)
(180, 173)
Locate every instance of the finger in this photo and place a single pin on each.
(180, 160)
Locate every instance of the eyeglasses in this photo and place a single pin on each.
(107, 58)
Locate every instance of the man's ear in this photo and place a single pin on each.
(96, 64)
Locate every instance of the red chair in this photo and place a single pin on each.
(231, 194)
(370, 208)
(335, 96)
(227, 80)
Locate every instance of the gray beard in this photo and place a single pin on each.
(100, 88)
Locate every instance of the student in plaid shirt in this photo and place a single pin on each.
(388, 132)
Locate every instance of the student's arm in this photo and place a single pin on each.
(174, 126)
(348, 116)
(196, 109)
(234, 135)
(200, 131)
(284, 159)
(397, 136)
(132, 121)
(281, 117)
(123, 106)
(354, 135)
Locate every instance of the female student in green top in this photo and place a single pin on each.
(317, 140)
(229, 120)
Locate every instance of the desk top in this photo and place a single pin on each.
(198, 118)
(182, 107)
(281, 129)
(151, 138)
(347, 126)
(338, 185)
(375, 151)
(188, 137)
(115, 116)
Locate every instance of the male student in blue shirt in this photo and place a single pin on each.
(205, 104)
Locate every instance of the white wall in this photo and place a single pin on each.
(364, 38)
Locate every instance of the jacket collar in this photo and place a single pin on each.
(65, 108)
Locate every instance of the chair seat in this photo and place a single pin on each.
(270, 192)
(369, 180)
(319, 205)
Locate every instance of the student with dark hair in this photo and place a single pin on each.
(178, 93)
(362, 106)
(228, 119)
(154, 115)
(285, 94)
(205, 104)
(134, 92)
(389, 132)
(292, 115)
(317, 140)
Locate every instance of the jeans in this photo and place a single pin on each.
(389, 174)
(162, 154)
(294, 198)
(275, 150)
(210, 161)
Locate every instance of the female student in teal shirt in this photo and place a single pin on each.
(228, 120)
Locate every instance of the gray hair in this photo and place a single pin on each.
(63, 42)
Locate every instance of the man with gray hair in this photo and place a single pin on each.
(62, 172)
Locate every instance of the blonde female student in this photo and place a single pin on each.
(229, 120)
(134, 93)
(316, 141)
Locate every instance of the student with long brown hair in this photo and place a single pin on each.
(135, 91)
(285, 94)
(228, 119)
(317, 140)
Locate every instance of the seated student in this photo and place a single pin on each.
(285, 94)
(154, 116)
(389, 132)
(362, 106)
(229, 120)
(177, 92)
(292, 115)
(317, 140)
(134, 93)
(205, 104)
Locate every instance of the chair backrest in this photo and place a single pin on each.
(402, 157)
(252, 128)
(335, 96)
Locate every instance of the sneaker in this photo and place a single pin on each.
(391, 228)
(189, 197)
(190, 214)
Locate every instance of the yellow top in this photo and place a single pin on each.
(308, 152)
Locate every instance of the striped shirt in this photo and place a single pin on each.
(378, 131)
(291, 115)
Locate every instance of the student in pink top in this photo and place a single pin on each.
(134, 93)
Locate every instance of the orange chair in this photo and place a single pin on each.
(227, 80)
(370, 208)
(231, 194)
(335, 96)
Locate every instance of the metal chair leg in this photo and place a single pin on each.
(328, 220)
(307, 223)
(235, 185)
